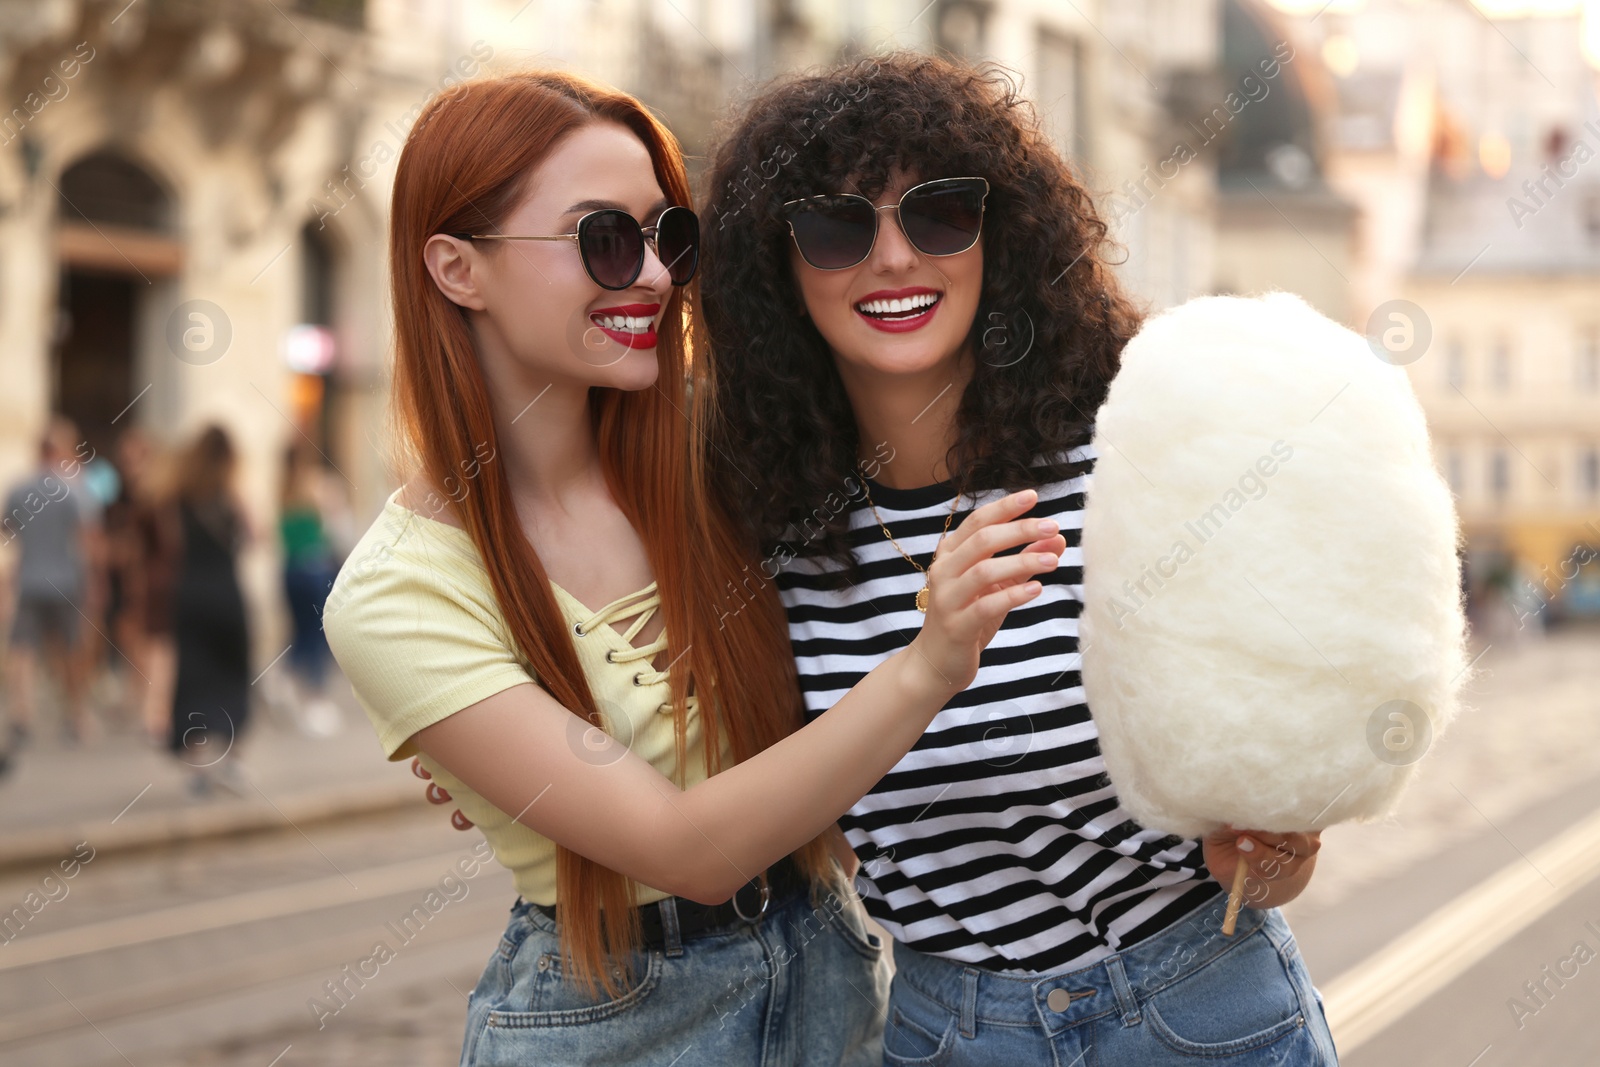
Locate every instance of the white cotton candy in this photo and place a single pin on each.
(1270, 560)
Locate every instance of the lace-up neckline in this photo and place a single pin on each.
(643, 603)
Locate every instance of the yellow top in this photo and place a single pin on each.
(413, 622)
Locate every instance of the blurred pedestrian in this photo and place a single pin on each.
(308, 507)
(101, 660)
(55, 522)
(211, 696)
(144, 543)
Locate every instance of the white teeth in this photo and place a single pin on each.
(905, 305)
(622, 323)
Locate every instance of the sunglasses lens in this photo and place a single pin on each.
(944, 217)
(834, 231)
(678, 243)
(613, 248)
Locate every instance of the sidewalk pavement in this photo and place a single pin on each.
(121, 792)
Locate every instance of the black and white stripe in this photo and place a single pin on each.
(998, 840)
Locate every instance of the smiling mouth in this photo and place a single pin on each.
(899, 309)
(636, 324)
(630, 325)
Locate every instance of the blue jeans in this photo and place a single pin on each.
(805, 986)
(1186, 995)
(305, 584)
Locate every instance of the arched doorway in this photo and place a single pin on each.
(115, 243)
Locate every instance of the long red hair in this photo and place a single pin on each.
(464, 168)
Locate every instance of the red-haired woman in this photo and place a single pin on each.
(666, 818)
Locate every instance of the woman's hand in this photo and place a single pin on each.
(1280, 865)
(970, 590)
(436, 795)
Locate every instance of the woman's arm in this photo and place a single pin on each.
(517, 749)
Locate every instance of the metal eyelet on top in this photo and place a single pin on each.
(609, 652)
(636, 678)
(578, 629)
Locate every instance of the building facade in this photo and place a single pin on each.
(1469, 136)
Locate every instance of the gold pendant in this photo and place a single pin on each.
(922, 600)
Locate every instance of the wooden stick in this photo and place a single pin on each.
(1235, 896)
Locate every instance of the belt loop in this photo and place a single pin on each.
(671, 934)
(969, 1002)
(1125, 997)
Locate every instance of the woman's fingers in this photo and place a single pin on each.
(987, 572)
(992, 607)
(996, 511)
(1049, 546)
(1002, 573)
(1295, 843)
(971, 591)
(1054, 545)
(1273, 855)
(436, 795)
(993, 539)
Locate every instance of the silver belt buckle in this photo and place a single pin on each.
(766, 898)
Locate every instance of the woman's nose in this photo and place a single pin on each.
(892, 251)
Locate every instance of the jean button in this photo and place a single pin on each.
(1059, 1000)
(544, 962)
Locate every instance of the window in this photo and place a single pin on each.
(960, 26)
(1061, 91)
(1455, 363)
(1586, 361)
(350, 12)
(1500, 364)
(1499, 475)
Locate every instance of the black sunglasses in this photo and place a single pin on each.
(611, 244)
(837, 230)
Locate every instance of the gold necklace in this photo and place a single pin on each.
(922, 594)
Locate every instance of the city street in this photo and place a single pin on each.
(214, 951)
(206, 950)
(363, 358)
(1515, 773)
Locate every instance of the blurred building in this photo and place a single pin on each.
(192, 226)
(1282, 223)
(1469, 134)
(193, 195)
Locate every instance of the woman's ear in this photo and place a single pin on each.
(456, 267)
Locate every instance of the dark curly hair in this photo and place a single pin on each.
(780, 416)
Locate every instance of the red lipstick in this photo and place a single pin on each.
(614, 323)
(899, 310)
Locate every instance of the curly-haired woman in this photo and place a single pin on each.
(634, 776)
(903, 276)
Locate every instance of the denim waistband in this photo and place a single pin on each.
(539, 919)
(1120, 982)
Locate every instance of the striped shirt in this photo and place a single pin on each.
(998, 841)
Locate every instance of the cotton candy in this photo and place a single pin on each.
(1272, 629)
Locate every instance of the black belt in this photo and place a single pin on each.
(784, 882)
